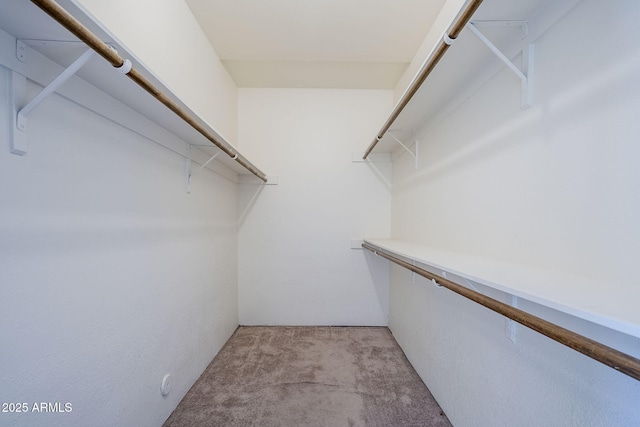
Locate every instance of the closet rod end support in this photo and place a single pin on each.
(448, 40)
(125, 67)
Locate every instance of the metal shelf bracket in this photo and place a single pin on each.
(524, 25)
(413, 154)
(526, 86)
(189, 173)
(512, 326)
(17, 93)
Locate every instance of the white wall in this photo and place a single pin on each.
(166, 37)
(111, 275)
(295, 264)
(553, 187)
(449, 11)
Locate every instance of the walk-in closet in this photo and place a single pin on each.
(319, 213)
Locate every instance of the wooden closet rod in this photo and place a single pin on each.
(63, 17)
(613, 358)
(426, 69)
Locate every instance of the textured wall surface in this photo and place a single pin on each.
(553, 187)
(111, 275)
(295, 262)
(166, 37)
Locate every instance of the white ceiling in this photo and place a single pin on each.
(316, 43)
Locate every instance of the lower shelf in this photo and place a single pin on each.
(596, 302)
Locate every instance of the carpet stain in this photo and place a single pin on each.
(309, 376)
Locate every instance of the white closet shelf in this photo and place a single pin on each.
(35, 30)
(614, 307)
(510, 26)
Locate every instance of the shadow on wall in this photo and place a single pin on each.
(381, 172)
(379, 274)
(247, 197)
(517, 127)
(467, 152)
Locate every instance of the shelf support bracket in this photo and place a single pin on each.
(413, 154)
(17, 98)
(187, 170)
(526, 86)
(524, 25)
(189, 173)
(512, 326)
(19, 136)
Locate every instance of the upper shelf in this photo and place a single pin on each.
(25, 21)
(467, 62)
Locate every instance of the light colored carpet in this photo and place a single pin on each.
(309, 376)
